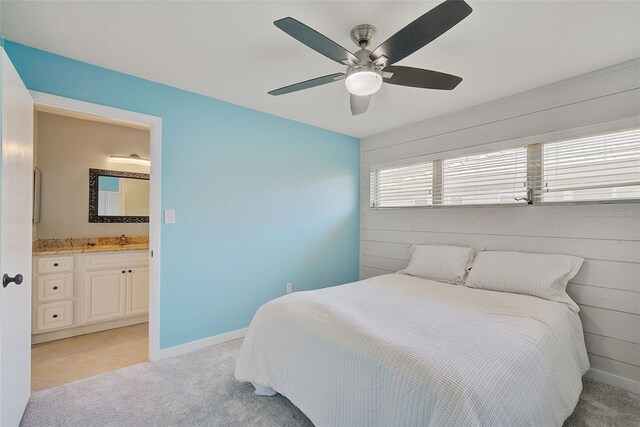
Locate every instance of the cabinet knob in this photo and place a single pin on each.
(55, 264)
(123, 271)
(55, 288)
(55, 316)
(129, 271)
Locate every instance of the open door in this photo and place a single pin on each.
(16, 171)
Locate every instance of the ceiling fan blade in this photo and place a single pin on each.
(359, 104)
(418, 77)
(316, 41)
(307, 84)
(422, 31)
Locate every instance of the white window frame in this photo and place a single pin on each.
(373, 182)
(535, 172)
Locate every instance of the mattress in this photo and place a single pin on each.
(397, 350)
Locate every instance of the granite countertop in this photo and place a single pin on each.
(90, 245)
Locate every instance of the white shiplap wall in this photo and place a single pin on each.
(607, 288)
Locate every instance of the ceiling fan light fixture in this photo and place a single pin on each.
(367, 70)
(363, 81)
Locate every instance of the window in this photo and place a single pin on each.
(603, 167)
(491, 178)
(402, 186)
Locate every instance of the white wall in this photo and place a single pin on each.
(607, 288)
(67, 148)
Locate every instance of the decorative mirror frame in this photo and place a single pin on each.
(93, 196)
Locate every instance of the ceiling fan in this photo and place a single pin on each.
(366, 70)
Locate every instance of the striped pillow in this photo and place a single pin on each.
(440, 262)
(541, 275)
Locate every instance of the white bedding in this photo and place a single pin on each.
(399, 350)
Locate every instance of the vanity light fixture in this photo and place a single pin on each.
(132, 159)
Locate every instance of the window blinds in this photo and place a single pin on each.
(402, 186)
(491, 178)
(600, 167)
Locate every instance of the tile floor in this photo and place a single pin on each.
(59, 362)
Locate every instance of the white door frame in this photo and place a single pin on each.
(155, 127)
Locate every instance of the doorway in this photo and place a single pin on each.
(139, 336)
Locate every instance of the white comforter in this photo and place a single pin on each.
(398, 350)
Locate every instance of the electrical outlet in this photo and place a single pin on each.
(289, 288)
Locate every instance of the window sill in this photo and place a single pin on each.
(513, 205)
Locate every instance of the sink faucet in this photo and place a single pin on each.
(122, 240)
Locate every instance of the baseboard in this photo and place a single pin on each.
(614, 380)
(199, 344)
(58, 334)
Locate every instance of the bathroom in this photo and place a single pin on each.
(90, 291)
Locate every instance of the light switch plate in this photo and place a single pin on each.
(169, 216)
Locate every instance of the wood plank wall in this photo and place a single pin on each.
(607, 288)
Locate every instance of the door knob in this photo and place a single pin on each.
(17, 279)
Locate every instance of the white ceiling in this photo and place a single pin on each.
(232, 51)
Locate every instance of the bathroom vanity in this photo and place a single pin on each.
(88, 288)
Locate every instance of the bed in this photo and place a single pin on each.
(397, 350)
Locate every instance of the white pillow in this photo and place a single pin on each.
(439, 262)
(540, 275)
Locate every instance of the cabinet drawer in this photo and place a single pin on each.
(54, 315)
(57, 264)
(116, 260)
(53, 287)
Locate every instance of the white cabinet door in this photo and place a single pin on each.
(104, 295)
(138, 291)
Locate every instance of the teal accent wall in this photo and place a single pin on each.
(108, 183)
(260, 200)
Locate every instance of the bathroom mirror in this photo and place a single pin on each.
(116, 196)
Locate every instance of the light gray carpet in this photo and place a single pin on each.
(199, 389)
